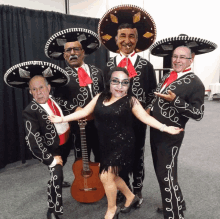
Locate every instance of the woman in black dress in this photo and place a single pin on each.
(113, 110)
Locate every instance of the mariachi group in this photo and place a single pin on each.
(125, 30)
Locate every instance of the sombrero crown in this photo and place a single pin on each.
(19, 75)
(166, 46)
(54, 47)
(131, 14)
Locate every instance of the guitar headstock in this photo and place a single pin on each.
(82, 123)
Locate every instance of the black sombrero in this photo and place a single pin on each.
(19, 75)
(138, 17)
(54, 47)
(166, 46)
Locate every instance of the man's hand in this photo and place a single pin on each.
(58, 160)
(173, 130)
(169, 97)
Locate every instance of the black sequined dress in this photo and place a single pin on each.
(116, 134)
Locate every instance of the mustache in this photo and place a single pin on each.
(127, 44)
(73, 57)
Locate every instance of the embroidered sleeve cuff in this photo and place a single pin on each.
(53, 163)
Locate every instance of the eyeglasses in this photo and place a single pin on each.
(117, 82)
(75, 49)
(180, 57)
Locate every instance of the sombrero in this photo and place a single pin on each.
(131, 14)
(19, 75)
(166, 46)
(54, 47)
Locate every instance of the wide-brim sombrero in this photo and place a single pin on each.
(54, 47)
(19, 75)
(166, 46)
(138, 17)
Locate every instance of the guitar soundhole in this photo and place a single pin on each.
(87, 173)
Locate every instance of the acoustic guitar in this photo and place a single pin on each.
(86, 187)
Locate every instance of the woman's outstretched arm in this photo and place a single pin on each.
(144, 117)
(88, 109)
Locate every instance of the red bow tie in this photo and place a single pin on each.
(84, 78)
(126, 62)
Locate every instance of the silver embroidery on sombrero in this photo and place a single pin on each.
(92, 45)
(81, 37)
(47, 72)
(56, 54)
(16, 82)
(23, 73)
(58, 80)
(61, 42)
(173, 187)
(193, 42)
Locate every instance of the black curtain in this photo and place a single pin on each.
(23, 35)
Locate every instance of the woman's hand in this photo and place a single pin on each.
(55, 119)
(173, 130)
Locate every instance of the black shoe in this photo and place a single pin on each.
(51, 215)
(139, 194)
(65, 184)
(160, 210)
(134, 203)
(116, 213)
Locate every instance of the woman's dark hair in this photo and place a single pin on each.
(107, 93)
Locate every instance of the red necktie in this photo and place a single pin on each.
(53, 107)
(171, 78)
(126, 62)
(84, 78)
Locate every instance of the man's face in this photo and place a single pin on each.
(126, 40)
(180, 59)
(74, 54)
(39, 89)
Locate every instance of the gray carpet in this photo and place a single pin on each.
(23, 187)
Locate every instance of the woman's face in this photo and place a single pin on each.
(119, 84)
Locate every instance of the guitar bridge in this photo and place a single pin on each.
(88, 189)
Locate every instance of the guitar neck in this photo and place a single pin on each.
(85, 157)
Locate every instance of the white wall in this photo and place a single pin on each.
(46, 5)
(194, 18)
(88, 8)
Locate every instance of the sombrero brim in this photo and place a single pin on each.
(54, 47)
(19, 75)
(166, 46)
(141, 20)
